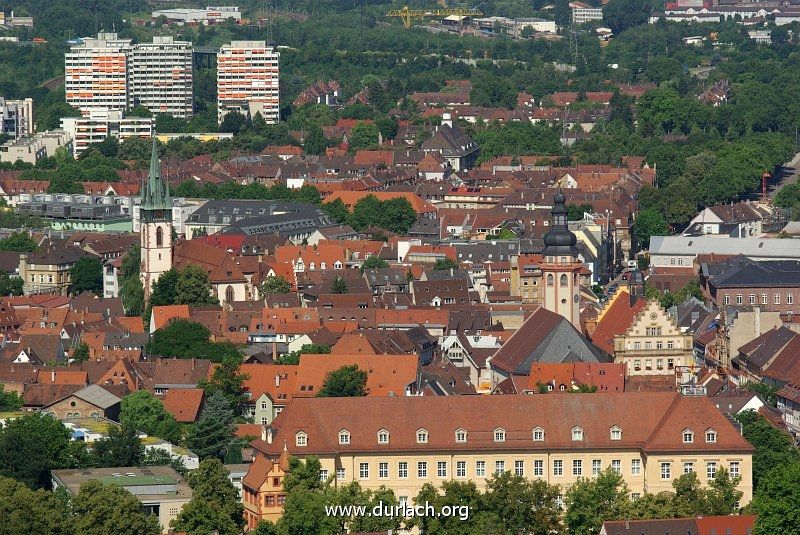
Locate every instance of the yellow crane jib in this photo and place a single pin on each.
(406, 14)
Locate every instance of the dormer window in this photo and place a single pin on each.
(323, 266)
(344, 436)
(688, 436)
(422, 436)
(301, 439)
(577, 433)
(616, 433)
(461, 436)
(337, 265)
(711, 436)
(538, 434)
(499, 435)
(383, 436)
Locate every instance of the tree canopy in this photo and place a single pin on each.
(347, 381)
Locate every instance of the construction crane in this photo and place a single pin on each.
(406, 14)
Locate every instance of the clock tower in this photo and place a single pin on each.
(560, 266)
(156, 225)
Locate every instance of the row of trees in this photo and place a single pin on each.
(395, 215)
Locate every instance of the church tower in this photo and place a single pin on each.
(561, 267)
(156, 225)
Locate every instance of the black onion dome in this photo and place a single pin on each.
(559, 237)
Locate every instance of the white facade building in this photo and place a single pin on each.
(247, 80)
(160, 77)
(582, 13)
(100, 124)
(207, 16)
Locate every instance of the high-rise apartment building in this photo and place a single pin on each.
(111, 74)
(96, 73)
(16, 117)
(160, 76)
(247, 80)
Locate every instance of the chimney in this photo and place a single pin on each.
(264, 433)
(52, 373)
(757, 320)
(274, 351)
(194, 363)
(277, 379)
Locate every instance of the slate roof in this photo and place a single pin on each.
(544, 337)
(742, 272)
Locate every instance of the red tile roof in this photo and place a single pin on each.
(387, 374)
(184, 403)
(615, 318)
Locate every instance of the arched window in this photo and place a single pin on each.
(159, 236)
(229, 294)
(550, 279)
(563, 280)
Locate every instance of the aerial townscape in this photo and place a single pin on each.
(338, 267)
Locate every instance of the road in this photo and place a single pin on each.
(785, 174)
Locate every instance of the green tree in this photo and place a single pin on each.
(374, 262)
(186, 339)
(347, 381)
(144, 412)
(110, 509)
(444, 264)
(228, 380)
(81, 353)
(122, 447)
(523, 505)
(275, 285)
(589, 502)
(649, 223)
(774, 448)
(315, 142)
(620, 15)
(454, 494)
(18, 242)
(575, 211)
(31, 446)
(87, 275)
(339, 286)
(363, 136)
(776, 501)
(201, 518)
(337, 210)
(165, 289)
(215, 503)
(212, 434)
(131, 292)
(722, 495)
(232, 123)
(9, 401)
(303, 474)
(306, 349)
(10, 285)
(25, 511)
(193, 288)
(265, 527)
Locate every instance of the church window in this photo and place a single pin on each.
(159, 237)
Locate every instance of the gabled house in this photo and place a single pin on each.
(452, 144)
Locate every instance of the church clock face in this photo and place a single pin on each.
(159, 214)
(576, 298)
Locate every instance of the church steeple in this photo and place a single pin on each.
(155, 191)
(156, 225)
(560, 266)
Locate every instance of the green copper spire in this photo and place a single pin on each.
(155, 191)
